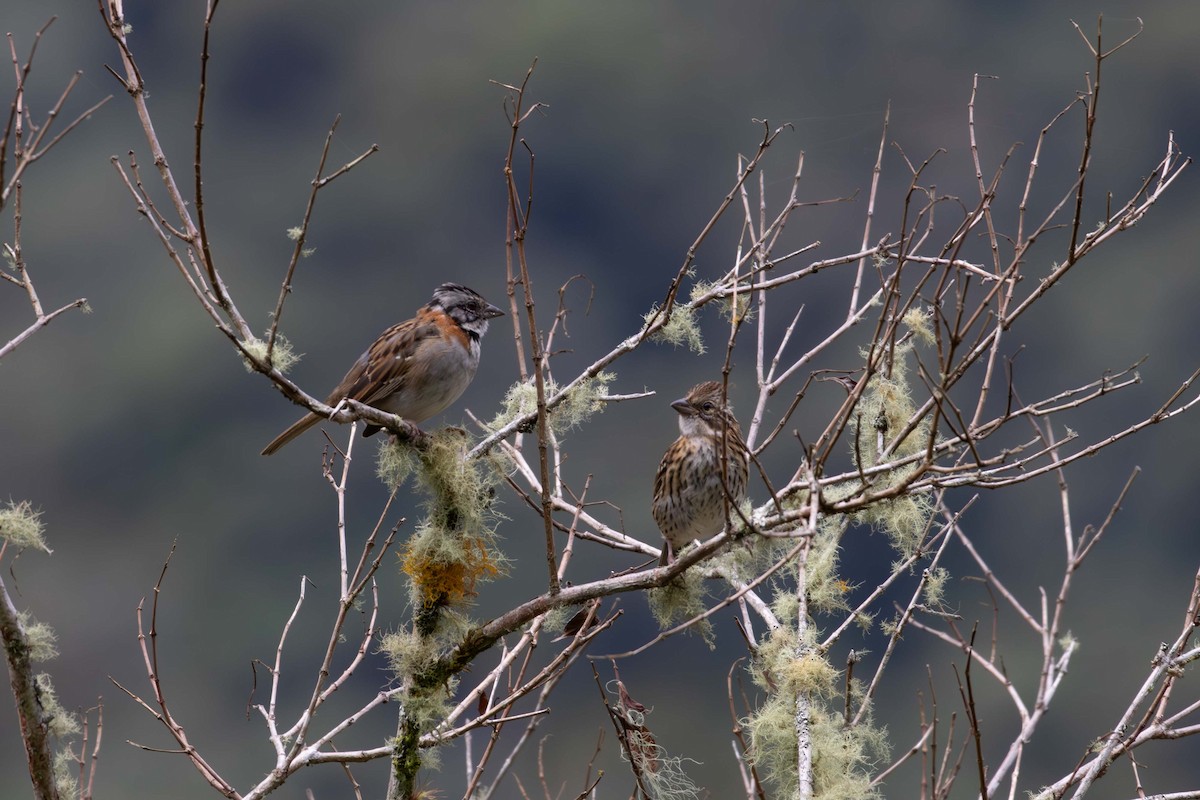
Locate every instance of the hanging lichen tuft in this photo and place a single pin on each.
(454, 546)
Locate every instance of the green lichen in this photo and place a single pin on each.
(410, 655)
(283, 356)
(799, 681)
(826, 590)
(454, 546)
(883, 412)
(66, 767)
(734, 308)
(555, 619)
(920, 322)
(579, 405)
(905, 519)
(394, 463)
(680, 600)
(59, 721)
(935, 586)
(682, 329)
(21, 526)
(39, 637)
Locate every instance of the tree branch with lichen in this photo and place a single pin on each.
(927, 403)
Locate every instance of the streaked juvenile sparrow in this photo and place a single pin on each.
(416, 368)
(690, 497)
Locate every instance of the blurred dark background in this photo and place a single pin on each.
(136, 427)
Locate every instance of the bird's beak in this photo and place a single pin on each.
(684, 407)
(491, 311)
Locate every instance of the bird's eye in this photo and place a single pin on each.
(708, 405)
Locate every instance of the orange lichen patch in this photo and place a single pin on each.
(449, 580)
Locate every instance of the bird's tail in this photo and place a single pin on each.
(299, 427)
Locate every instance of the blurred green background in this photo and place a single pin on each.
(136, 427)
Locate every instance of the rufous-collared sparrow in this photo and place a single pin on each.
(691, 499)
(416, 368)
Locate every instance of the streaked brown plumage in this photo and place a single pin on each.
(416, 368)
(690, 498)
